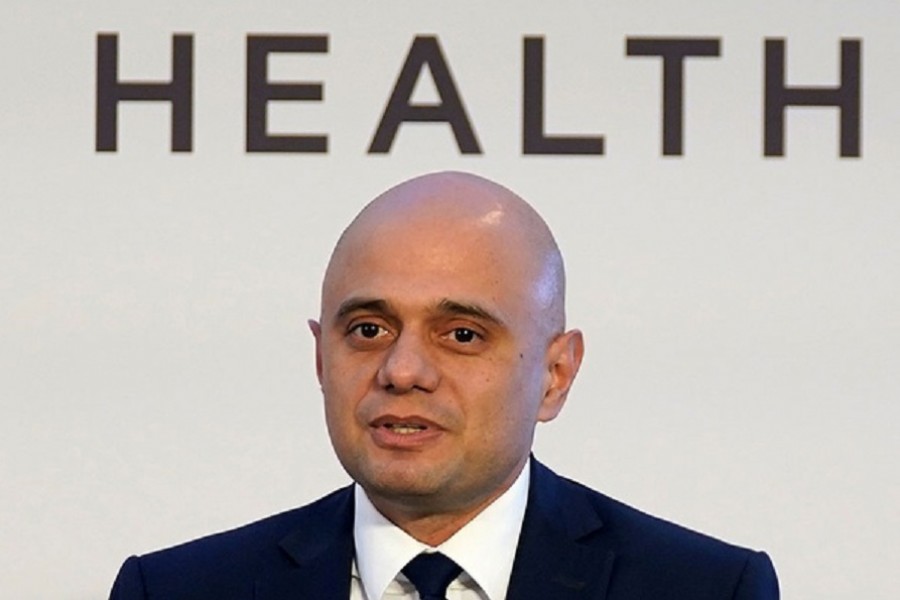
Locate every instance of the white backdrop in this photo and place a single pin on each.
(740, 311)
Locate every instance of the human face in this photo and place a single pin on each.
(434, 364)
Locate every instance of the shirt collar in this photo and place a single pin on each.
(485, 547)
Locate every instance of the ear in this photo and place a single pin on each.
(316, 328)
(563, 361)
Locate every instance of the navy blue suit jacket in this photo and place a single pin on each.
(575, 544)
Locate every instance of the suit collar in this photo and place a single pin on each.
(484, 547)
(320, 552)
(561, 553)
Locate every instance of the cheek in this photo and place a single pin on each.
(343, 367)
(527, 394)
(509, 393)
(345, 382)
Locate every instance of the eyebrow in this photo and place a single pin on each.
(452, 307)
(371, 304)
(444, 307)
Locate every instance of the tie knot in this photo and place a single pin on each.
(431, 573)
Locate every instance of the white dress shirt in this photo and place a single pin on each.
(485, 549)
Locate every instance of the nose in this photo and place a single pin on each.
(408, 366)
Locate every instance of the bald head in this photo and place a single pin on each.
(472, 216)
(441, 345)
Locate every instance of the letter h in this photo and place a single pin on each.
(111, 91)
(846, 97)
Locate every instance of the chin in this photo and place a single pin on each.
(401, 481)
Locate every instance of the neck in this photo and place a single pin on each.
(429, 527)
(433, 523)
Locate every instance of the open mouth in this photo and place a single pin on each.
(405, 432)
(404, 428)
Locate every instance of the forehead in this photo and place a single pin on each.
(423, 261)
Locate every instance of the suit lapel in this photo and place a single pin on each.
(559, 556)
(320, 553)
(561, 553)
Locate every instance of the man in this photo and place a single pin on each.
(441, 344)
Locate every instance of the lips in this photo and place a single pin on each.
(400, 424)
(394, 431)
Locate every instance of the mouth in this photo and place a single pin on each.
(404, 428)
(403, 424)
(403, 431)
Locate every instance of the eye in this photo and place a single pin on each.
(369, 331)
(464, 340)
(464, 335)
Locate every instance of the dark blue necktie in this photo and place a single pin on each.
(431, 574)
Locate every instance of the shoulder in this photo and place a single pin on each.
(657, 554)
(234, 558)
(628, 527)
(259, 535)
(639, 531)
